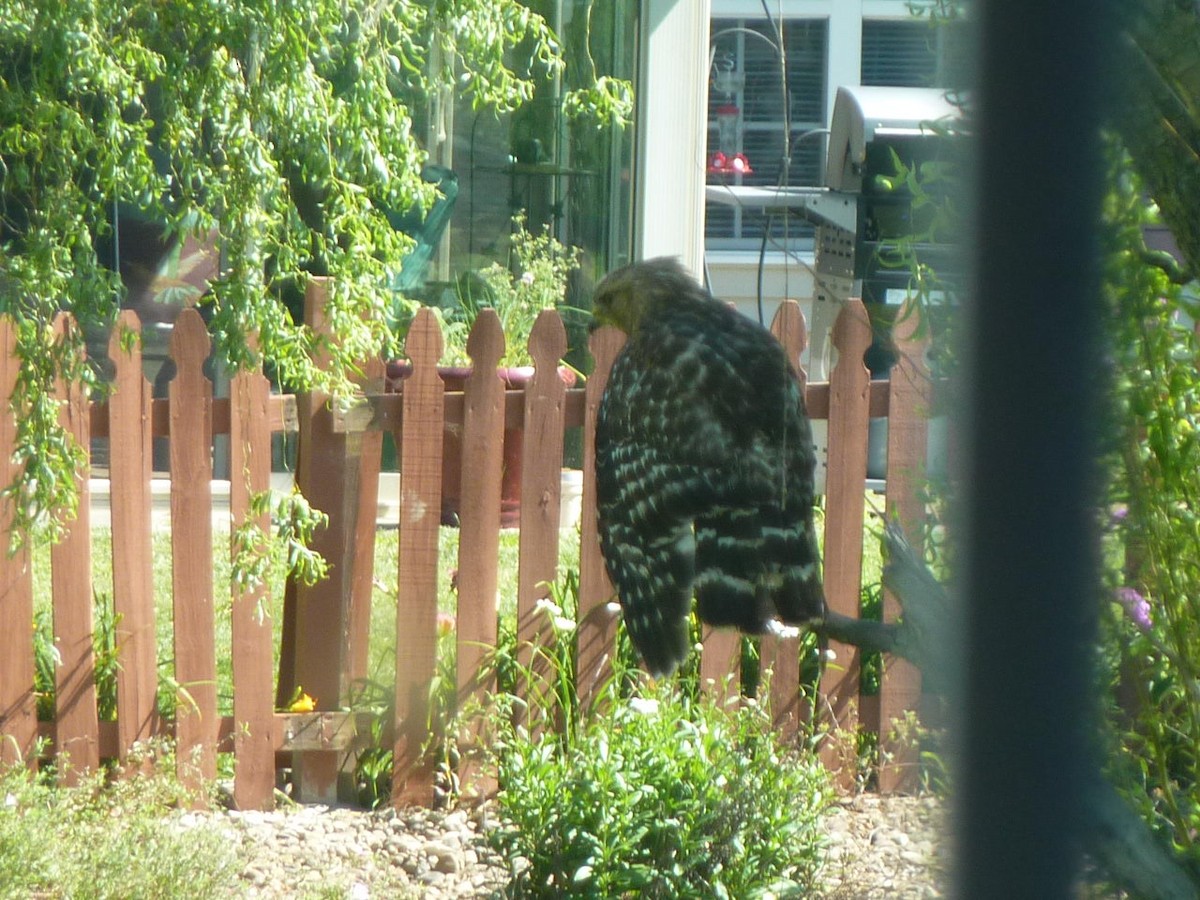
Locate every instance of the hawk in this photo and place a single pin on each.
(704, 467)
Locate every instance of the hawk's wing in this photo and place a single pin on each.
(704, 481)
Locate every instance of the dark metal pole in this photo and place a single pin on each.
(1030, 578)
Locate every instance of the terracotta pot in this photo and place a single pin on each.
(454, 378)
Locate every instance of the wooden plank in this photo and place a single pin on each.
(18, 705)
(326, 732)
(130, 466)
(541, 490)
(420, 514)
(818, 399)
(281, 416)
(596, 637)
(908, 422)
(190, 394)
(383, 412)
(252, 640)
(479, 532)
(285, 734)
(779, 658)
(845, 504)
(77, 733)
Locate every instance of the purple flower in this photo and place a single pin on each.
(1136, 607)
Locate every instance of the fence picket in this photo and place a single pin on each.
(252, 640)
(191, 554)
(597, 633)
(76, 719)
(910, 392)
(541, 490)
(721, 662)
(18, 705)
(129, 472)
(420, 515)
(845, 486)
(479, 529)
(781, 656)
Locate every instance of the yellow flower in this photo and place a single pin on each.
(303, 704)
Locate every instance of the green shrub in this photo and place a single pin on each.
(660, 796)
(1150, 648)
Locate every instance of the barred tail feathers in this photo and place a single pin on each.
(798, 591)
(654, 585)
(729, 570)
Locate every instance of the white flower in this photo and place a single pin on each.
(527, 278)
(560, 621)
(644, 706)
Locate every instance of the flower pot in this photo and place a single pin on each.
(454, 378)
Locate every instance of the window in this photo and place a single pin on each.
(746, 87)
(899, 53)
(745, 91)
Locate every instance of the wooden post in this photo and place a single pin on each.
(18, 707)
(370, 458)
(252, 640)
(910, 391)
(849, 410)
(77, 728)
(541, 488)
(597, 634)
(129, 472)
(327, 474)
(423, 421)
(780, 657)
(479, 530)
(191, 556)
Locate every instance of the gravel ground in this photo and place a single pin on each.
(885, 847)
(879, 847)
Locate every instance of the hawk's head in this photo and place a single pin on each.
(629, 293)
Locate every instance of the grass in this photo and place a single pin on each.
(108, 840)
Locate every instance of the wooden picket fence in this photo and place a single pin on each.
(325, 626)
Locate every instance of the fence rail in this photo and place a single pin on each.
(325, 627)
